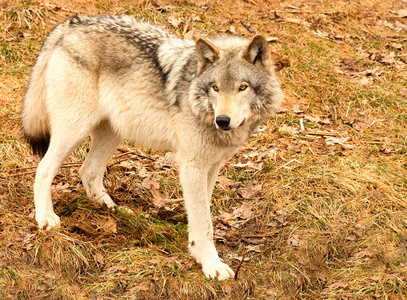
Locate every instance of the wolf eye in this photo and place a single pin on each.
(243, 87)
(215, 88)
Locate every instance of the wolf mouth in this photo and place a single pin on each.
(229, 128)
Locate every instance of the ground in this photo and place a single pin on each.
(313, 207)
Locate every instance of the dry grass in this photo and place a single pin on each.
(330, 218)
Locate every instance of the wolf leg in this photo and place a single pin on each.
(212, 176)
(60, 147)
(104, 142)
(195, 181)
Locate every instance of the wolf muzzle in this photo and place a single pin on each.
(223, 122)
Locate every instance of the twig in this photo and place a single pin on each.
(240, 264)
(375, 122)
(67, 165)
(320, 133)
(21, 174)
(117, 162)
(247, 26)
(258, 236)
(126, 152)
(174, 200)
(286, 164)
(251, 2)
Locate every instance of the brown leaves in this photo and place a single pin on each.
(396, 25)
(250, 190)
(364, 123)
(362, 254)
(226, 183)
(151, 184)
(247, 191)
(184, 25)
(401, 13)
(237, 217)
(110, 225)
(294, 240)
(386, 147)
(318, 119)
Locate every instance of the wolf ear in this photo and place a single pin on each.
(258, 52)
(207, 54)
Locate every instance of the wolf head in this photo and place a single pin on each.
(235, 81)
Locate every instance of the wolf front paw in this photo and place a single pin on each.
(48, 221)
(218, 270)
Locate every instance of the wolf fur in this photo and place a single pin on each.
(118, 78)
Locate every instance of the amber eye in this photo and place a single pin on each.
(215, 88)
(243, 87)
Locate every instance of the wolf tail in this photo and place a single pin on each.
(35, 119)
(34, 113)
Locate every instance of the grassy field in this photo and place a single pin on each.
(313, 207)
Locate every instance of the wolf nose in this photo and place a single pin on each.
(222, 121)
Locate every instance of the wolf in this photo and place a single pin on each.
(115, 78)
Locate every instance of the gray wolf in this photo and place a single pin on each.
(117, 78)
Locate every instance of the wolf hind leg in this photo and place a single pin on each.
(104, 142)
(61, 145)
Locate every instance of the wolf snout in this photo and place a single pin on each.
(223, 122)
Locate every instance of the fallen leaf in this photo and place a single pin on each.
(296, 21)
(244, 212)
(391, 276)
(359, 230)
(401, 13)
(110, 225)
(63, 187)
(254, 240)
(272, 39)
(362, 254)
(337, 285)
(126, 165)
(386, 147)
(227, 289)
(174, 21)
(317, 119)
(150, 182)
(366, 80)
(386, 59)
(143, 173)
(250, 190)
(189, 35)
(250, 166)
(296, 109)
(100, 258)
(279, 216)
(377, 277)
(158, 200)
(28, 243)
(283, 109)
(330, 141)
(294, 240)
(114, 269)
(396, 46)
(137, 288)
(155, 261)
(226, 183)
(238, 217)
(255, 248)
(285, 129)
